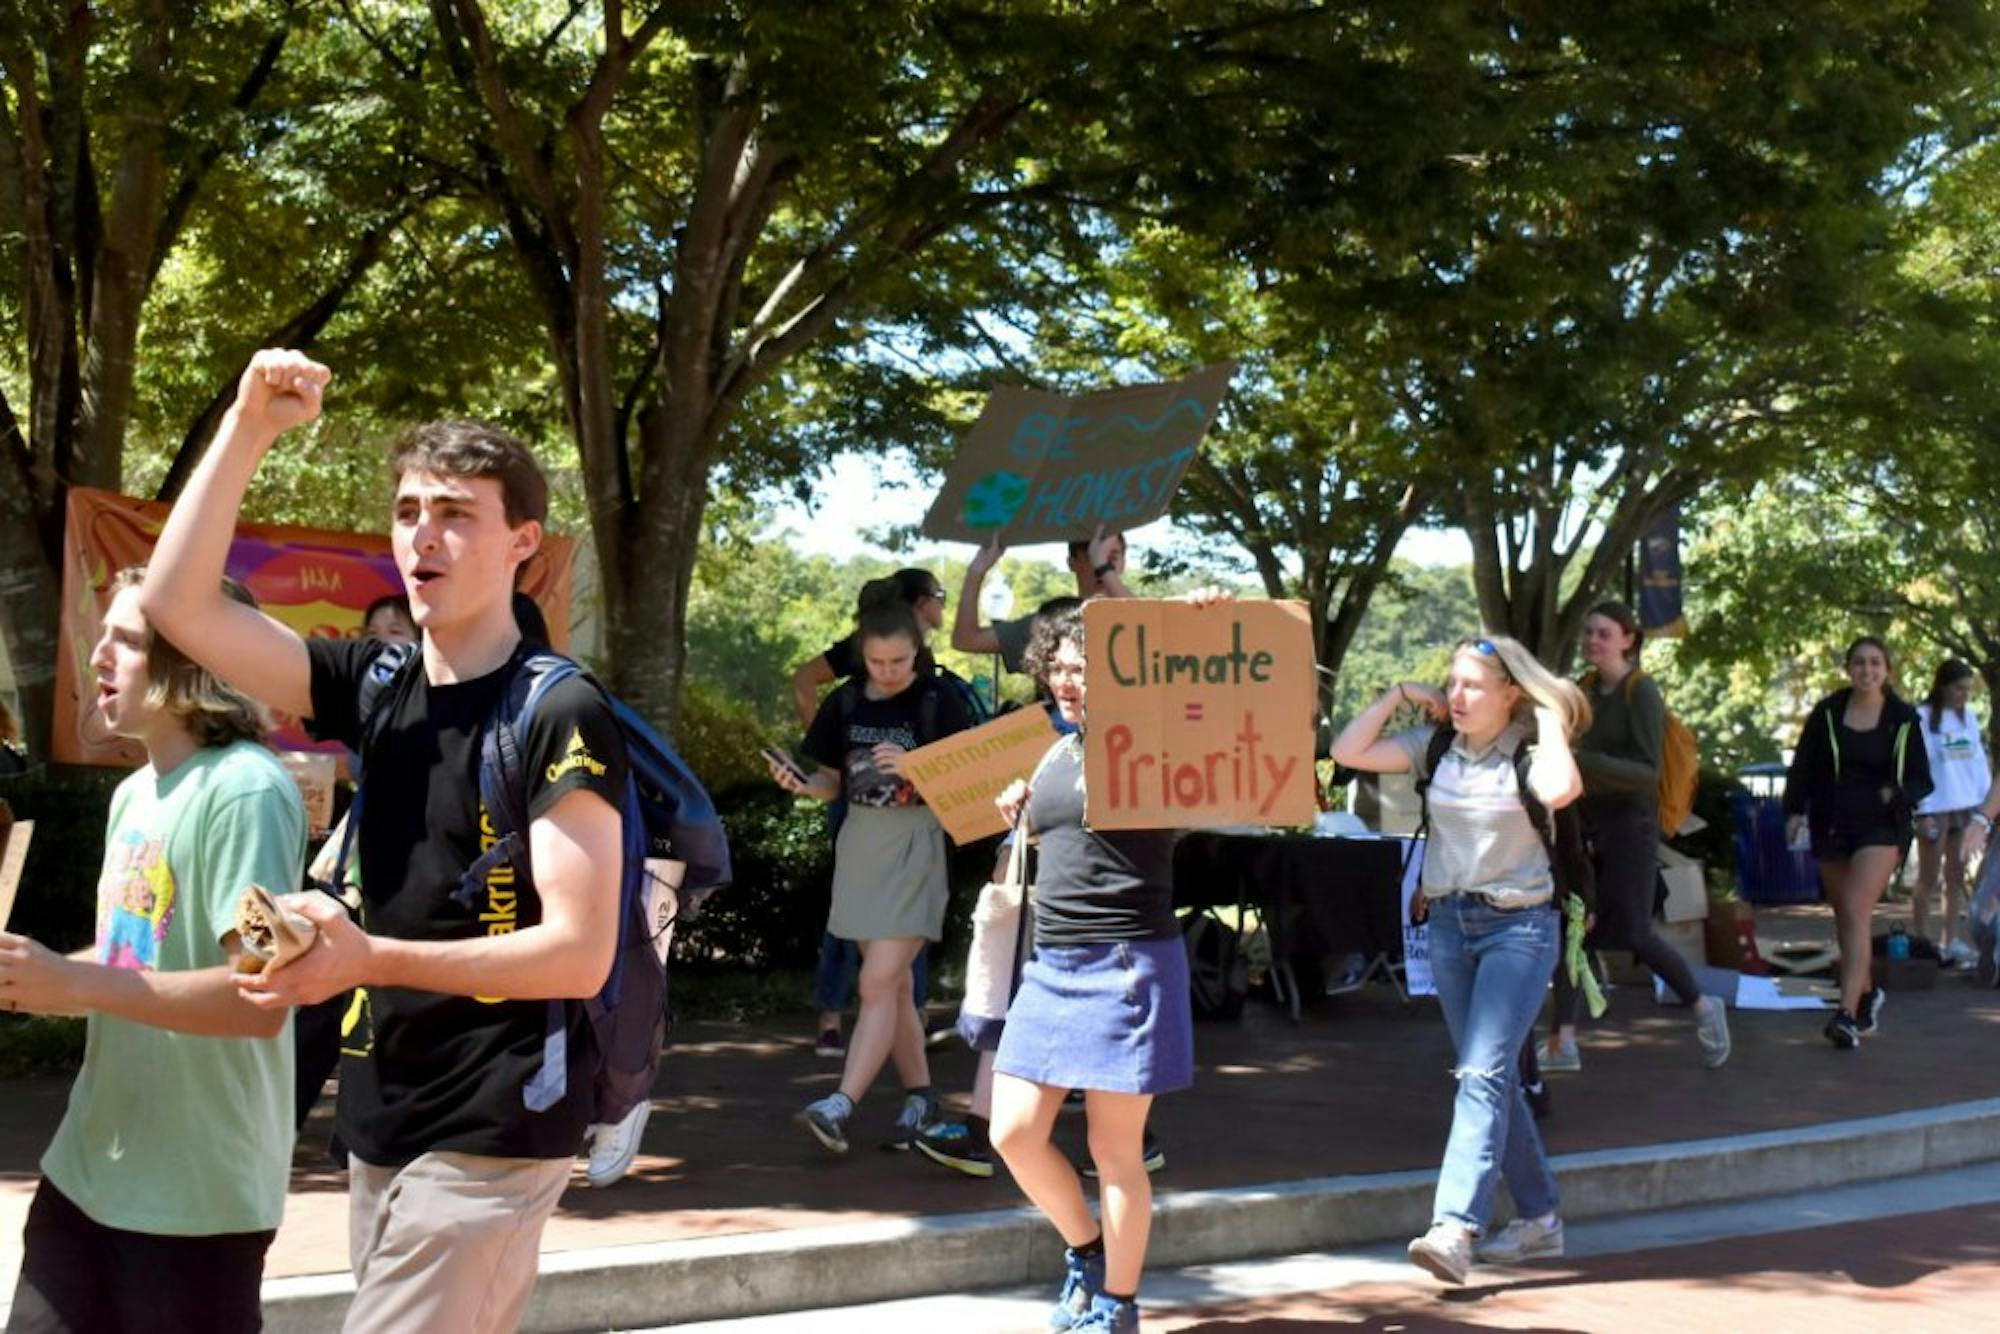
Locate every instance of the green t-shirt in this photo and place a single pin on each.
(169, 1133)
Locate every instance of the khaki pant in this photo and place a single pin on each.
(448, 1242)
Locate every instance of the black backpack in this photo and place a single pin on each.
(1561, 831)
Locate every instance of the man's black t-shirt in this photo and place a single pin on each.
(844, 735)
(1094, 887)
(422, 1071)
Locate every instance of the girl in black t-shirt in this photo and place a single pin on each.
(1102, 1007)
(1857, 774)
(889, 881)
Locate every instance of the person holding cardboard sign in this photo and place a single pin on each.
(889, 881)
(1102, 1007)
(1487, 890)
(1098, 564)
(164, 1185)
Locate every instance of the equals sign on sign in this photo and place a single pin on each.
(1194, 714)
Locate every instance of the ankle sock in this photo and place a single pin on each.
(1090, 1249)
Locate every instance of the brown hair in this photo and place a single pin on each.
(473, 449)
(214, 712)
(1621, 616)
(884, 613)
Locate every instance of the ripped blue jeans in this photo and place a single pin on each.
(1492, 966)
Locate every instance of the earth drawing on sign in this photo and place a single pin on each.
(994, 499)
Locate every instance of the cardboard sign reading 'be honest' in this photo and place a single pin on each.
(1197, 715)
(961, 775)
(1042, 467)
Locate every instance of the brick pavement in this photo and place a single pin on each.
(1913, 1273)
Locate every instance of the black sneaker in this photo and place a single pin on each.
(952, 1144)
(1151, 1155)
(1868, 1015)
(1842, 1031)
(1537, 1094)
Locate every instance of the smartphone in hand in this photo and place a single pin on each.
(783, 761)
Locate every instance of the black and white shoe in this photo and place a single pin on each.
(1842, 1031)
(1868, 1016)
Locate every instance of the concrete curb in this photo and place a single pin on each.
(747, 1274)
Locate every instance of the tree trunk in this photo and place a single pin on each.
(30, 599)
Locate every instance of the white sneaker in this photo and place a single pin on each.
(614, 1146)
(1958, 954)
(1560, 1054)
(1523, 1239)
(1445, 1251)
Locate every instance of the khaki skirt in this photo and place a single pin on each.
(889, 879)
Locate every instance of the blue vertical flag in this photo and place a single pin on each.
(1660, 577)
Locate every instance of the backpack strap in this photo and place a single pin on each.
(927, 712)
(388, 673)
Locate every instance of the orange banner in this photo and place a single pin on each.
(317, 581)
(1198, 716)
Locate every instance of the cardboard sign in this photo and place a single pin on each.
(1043, 467)
(15, 836)
(961, 775)
(315, 776)
(316, 581)
(1199, 716)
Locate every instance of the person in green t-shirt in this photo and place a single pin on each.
(165, 1182)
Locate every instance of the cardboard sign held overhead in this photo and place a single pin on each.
(961, 775)
(1198, 716)
(1043, 467)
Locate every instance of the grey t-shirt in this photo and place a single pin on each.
(1481, 839)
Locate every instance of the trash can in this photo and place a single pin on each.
(1768, 871)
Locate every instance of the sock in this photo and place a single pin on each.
(1130, 1299)
(1093, 1247)
(980, 1130)
(921, 1091)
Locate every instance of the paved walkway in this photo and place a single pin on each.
(1917, 1255)
(1359, 1086)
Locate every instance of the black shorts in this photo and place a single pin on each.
(1840, 842)
(79, 1275)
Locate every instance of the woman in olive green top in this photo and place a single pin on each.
(1619, 758)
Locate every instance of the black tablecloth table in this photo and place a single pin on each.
(1319, 896)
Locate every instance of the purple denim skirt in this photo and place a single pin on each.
(1109, 1017)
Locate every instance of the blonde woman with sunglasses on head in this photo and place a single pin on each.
(1488, 891)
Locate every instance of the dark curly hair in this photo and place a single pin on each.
(1049, 632)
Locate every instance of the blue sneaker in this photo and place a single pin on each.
(1109, 1314)
(1081, 1286)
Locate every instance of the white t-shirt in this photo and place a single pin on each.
(1959, 771)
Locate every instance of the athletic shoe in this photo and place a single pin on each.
(614, 1146)
(1083, 1280)
(1958, 954)
(1110, 1314)
(1523, 1239)
(1445, 1251)
(1151, 1155)
(830, 1044)
(940, 1035)
(919, 1110)
(1868, 1016)
(1711, 1030)
(1842, 1031)
(952, 1144)
(1560, 1055)
(826, 1118)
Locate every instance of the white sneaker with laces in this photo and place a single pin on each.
(614, 1146)
(1445, 1251)
(1523, 1239)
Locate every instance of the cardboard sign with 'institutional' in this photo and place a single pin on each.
(1198, 716)
(961, 775)
(1043, 467)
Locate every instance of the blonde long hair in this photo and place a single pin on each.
(214, 712)
(1540, 687)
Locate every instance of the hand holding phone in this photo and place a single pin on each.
(783, 767)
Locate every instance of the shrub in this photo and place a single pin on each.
(57, 904)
